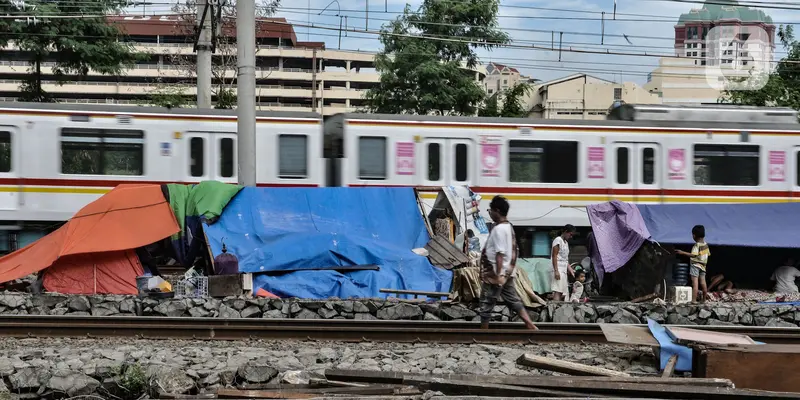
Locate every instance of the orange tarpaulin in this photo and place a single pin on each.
(112, 272)
(127, 217)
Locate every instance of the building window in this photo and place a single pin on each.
(292, 156)
(372, 158)
(744, 63)
(5, 151)
(102, 152)
(434, 161)
(226, 158)
(617, 93)
(543, 161)
(726, 165)
(623, 163)
(197, 156)
(491, 91)
(648, 166)
(462, 165)
(505, 81)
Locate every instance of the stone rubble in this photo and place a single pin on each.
(379, 309)
(64, 368)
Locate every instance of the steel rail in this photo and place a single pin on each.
(337, 330)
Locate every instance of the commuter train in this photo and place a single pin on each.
(56, 158)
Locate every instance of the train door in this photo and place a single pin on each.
(447, 162)
(210, 156)
(637, 172)
(9, 167)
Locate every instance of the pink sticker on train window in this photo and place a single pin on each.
(777, 166)
(677, 164)
(405, 158)
(490, 156)
(596, 165)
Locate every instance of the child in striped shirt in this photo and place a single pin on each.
(698, 260)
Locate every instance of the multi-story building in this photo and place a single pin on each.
(291, 75)
(718, 42)
(501, 77)
(581, 96)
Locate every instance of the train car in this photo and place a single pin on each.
(56, 158)
(551, 169)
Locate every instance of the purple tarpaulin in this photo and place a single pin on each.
(619, 230)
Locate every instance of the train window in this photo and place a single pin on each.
(293, 156)
(726, 165)
(461, 162)
(226, 167)
(648, 166)
(372, 158)
(102, 151)
(543, 161)
(5, 151)
(197, 155)
(623, 165)
(434, 161)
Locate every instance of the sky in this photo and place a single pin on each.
(648, 24)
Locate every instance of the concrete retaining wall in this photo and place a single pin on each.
(695, 314)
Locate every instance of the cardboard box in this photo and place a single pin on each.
(680, 294)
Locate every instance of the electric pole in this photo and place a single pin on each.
(203, 47)
(246, 90)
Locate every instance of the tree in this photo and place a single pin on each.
(783, 86)
(512, 100)
(424, 54)
(223, 68)
(75, 45)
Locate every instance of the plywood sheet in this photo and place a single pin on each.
(635, 335)
(688, 335)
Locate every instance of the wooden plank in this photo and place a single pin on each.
(687, 336)
(417, 293)
(764, 367)
(260, 394)
(533, 381)
(565, 367)
(343, 268)
(670, 367)
(444, 254)
(634, 335)
(456, 387)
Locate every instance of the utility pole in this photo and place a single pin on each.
(203, 48)
(246, 90)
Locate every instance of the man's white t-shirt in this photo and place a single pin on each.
(500, 241)
(562, 259)
(785, 277)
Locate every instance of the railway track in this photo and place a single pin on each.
(20, 326)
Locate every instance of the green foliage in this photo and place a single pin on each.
(422, 75)
(132, 382)
(513, 101)
(226, 99)
(75, 45)
(783, 87)
(169, 96)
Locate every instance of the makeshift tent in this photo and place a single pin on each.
(193, 204)
(775, 225)
(92, 247)
(279, 229)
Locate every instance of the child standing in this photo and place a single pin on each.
(577, 286)
(698, 260)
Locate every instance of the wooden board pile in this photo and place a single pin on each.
(585, 382)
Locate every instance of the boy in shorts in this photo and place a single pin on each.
(698, 260)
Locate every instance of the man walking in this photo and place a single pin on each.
(498, 266)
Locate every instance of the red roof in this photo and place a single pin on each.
(502, 67)
(171, 25)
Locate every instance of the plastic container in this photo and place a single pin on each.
(141, 285)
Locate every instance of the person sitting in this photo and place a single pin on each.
(785, 277)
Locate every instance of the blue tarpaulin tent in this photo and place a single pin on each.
(279, 229)
(775, 225)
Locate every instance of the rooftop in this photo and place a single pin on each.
(731, 10)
